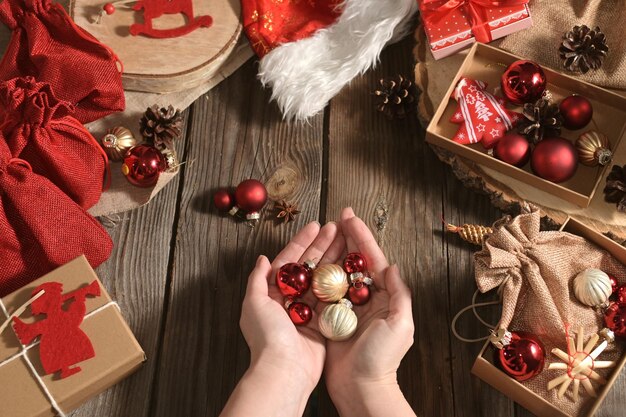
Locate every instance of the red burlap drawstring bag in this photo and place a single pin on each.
(41, 227)
(47, 45)
(39, 129)
(535, 270)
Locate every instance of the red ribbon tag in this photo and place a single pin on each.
(475, 9)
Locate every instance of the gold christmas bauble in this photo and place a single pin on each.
(594, 149)
(338, 322)
(330, 283)
(117, 142)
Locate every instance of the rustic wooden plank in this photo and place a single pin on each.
(384, 169)
(135, 276)
(235, 135)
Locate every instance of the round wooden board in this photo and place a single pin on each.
(165, 65)
(434, 78)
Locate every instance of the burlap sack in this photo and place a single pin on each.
(552, 18)
(536, 269)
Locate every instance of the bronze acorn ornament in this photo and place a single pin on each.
(117, 142)
(594, 149)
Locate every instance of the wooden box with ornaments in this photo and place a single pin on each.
(572, 127)
(573, 377)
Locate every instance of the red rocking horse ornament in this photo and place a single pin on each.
(153, 9)
(63, 344)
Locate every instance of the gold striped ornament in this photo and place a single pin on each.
(593, 149)
(117, 142)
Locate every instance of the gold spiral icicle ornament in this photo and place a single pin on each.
(338, 322)
(330, 283)
(472, 233)
(593, 149)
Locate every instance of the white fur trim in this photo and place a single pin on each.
(304, 75)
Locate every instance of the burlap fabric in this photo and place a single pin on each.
(536, 269)
(552, 18)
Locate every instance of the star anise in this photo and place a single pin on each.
(286, 211)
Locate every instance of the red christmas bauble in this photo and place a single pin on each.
(223, 200)
(143, 164)
(621, 294)
(251, 195)
(109, 8)
(513, 149)
(615, 319)
(354, 262)
(576, 111)
(299, 313)
(523, 358)
(523, 82)
(614, 285)
(359, 294)
(293, 279)
(554, 159)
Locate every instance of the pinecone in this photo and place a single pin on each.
(396, 97)
(615, 188)
(583, 49)
(161, 126)
(542, 118)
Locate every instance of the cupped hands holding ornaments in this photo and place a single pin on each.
(287, 360)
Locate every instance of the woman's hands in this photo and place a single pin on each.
(361, 372)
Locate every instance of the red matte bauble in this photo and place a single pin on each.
(109, 8)
(523, 358)
(513, 149)
(523, 82)
(223, 200)
(293, 279)
(251, 195)
(576, 111)
(615, 319)
(354, 262)
(554, 159)
(143, 164)
(299, 313)
(359, 294)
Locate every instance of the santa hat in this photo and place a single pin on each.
(310, 49)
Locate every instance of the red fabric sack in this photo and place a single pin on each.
(47, 44)
(41, 227)
(39, 129)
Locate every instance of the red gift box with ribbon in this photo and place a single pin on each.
(452, 25)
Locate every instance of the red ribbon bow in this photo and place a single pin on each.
(475, 9)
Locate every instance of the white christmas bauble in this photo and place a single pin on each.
(338, 322)
(330, 283)
(592, 287)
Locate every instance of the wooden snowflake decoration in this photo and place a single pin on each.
(579, 364)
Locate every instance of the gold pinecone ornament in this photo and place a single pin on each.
(395, 97)
(472, 233)
(161, 126)
(583, 49)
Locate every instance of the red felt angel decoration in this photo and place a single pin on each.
(63, 343)
(483, 116)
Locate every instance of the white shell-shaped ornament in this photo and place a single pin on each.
(338, 322)
(592, 287)
(330, 283)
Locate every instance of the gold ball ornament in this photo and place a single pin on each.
(117, 142)
(592, 287)
(593, 149)
(330, 283)
(338, 322)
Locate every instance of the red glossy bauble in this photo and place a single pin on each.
(576, 111)
(293, 279)
(621, 294)
(615, 319)
(359, 294)
(513, 149)
(354, 262)
(523, 82)
(554, 159)
(523, 358)
(251, 195)
(299, 313)
(109, 8)
(143, 164)
(614, 285)
(223, 200)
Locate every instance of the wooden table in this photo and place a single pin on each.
(179, 269)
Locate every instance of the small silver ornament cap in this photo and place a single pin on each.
(345, 302)
(607, 334)
(255, 215)
(500, 338)
(109, 140)
(288, 302)
(310, 264)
